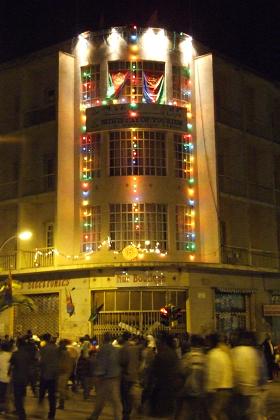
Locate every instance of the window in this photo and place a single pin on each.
(137, 224)
(49, 171)
(144, 300)
(181, 85)
(49, 235)
(137, 153)
(184, 234)
(231, 311)
(183, 156)
(90, 85)
(119, 81)
(90, 156)
(153, 82)
(136, 81)
(91, 220)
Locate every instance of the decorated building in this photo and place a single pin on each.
(148, 170)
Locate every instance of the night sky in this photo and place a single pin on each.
(245, 30)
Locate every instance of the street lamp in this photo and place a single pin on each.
(24, 236)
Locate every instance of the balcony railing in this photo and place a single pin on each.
(8, 262)
(40, 257)
(44, 257)
(242, 188)
(251, 257)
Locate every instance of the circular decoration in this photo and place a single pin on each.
(130, 252)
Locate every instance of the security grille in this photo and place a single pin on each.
(140, 310)
(138, 321)
(44, 319)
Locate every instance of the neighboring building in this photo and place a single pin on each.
(149, 173)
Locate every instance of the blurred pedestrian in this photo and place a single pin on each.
(147, 358)
(20, 366)
(191, 398)
(130, 357)
(247, 368)
(269, 354)
(5, 356)
(49, 360)
(219, 377)
(83, 374)
(107, 379)
(65, 368)
(164, 377)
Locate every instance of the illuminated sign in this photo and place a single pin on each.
(147, 116)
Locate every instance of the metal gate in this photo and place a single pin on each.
(44, 319)
(143, 321)
(138, 309)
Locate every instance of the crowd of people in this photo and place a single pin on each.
(187, 377)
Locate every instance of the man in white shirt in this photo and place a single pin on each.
(219, 377)
(5, 356)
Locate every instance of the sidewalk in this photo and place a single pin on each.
(78, 409)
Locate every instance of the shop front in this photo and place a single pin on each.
(133, 303)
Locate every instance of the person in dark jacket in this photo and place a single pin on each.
(83, 373)
(164, 377)
(20, 366)
(65, 368)
(49, 361)
(269, 355)
(107, 375)
(130, 357)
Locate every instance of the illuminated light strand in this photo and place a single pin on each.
(107, 243)
(190, 235)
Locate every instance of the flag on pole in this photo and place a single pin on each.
(70, 307)
(94, 314)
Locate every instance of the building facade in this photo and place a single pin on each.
(148, 172)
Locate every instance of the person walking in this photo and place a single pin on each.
(5, 356)
(247, 370)
(65, 368)
(219, 378)
(130, 358)
(269, 354)
(49, 361)
(163, 379)
(107, 379)
(83, 374)
(191, 396)
(20, 366)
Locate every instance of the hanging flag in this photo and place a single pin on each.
(94, 314)
(70, 308)
(116, 83)
(153, 88)
(8, 291)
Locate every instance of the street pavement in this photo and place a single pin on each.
(77, 408)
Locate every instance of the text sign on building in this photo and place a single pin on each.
(45, 284)
(271, 310)
(144, 116)
(124, 280)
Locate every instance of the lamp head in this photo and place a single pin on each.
(25, 235)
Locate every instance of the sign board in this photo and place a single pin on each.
(271, 310)
(143, 279)
(110, 117)
(44, 284)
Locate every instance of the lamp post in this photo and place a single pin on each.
(24, 236)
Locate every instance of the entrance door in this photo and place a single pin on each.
(45, 318)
